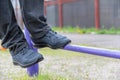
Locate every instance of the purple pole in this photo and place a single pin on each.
(32, 70)
(94, 51)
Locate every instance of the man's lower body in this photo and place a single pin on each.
(13, 38)
(41, 34)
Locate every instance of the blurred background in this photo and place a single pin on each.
(82, 13)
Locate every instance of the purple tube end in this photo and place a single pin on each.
(32, 70)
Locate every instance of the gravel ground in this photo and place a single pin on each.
(104, 41)
(7, 69)
(83, 67)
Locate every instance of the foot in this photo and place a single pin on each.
(52, 40)
(27, 57)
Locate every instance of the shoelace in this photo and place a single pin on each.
(53, 33)
(22, 51)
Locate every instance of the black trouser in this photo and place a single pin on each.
(33, 16)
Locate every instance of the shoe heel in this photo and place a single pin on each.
(15, 63)
(40, 45)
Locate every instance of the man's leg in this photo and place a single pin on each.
(33, 16)
(13, 38)
(41, 33)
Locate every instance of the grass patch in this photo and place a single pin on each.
(91, 30)
(59, 52)
(41, 77)
(4, 52)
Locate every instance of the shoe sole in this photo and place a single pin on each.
(28, 65)
(53, 47)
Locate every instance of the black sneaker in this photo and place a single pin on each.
(52, 40)
(26, 57)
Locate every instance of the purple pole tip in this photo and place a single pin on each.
(32, 70)
(94, 51)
